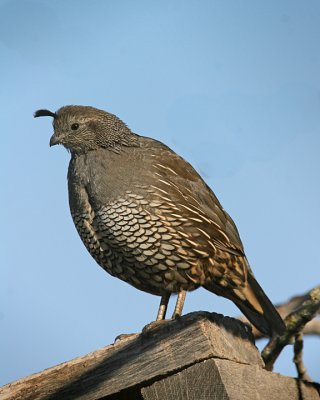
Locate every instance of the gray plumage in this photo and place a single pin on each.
(148, 218)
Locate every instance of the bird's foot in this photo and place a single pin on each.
(154, 324)
(175, 316)
(124, 337)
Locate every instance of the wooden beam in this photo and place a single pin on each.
(228, 380)
(133, 367)
(166, 348)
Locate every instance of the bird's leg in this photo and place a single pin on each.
(161, 313)
(163, 306)
(179, 304)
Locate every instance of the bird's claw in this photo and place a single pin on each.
(154, 324)
(123, 337)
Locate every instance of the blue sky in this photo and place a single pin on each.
(234, 87)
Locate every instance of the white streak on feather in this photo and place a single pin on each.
(205, 233)
(165, 182)
(161, 190)
(168, 168)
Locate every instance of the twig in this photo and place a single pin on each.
(312, 327)
(298, 359)
(295, 323)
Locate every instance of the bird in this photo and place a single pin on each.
(148, 218)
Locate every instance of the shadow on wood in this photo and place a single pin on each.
(198, 356)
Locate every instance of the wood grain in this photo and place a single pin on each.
(166, 348)
(227, 380)
(198, 356)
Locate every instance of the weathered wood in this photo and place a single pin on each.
(200, 381)
(166, 348)
(251, 382)
(200, 355)
(228, 380)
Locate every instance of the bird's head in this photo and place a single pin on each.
(81, 129)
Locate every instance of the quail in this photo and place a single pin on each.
(148, 218)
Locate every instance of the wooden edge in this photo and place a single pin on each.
(141, 358)
(225, 379)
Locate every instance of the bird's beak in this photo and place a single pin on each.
(54, 140)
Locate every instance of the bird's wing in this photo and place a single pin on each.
(175, 180)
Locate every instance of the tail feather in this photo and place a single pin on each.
(259, 310)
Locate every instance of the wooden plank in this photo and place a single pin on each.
(158, 352)
(251, 382)
(226, 380)
(200, 381)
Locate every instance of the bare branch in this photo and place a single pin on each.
(312, 327)
(298, 358)
(295, 323)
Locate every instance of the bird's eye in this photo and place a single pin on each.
(75, 126)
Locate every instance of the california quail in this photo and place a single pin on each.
(148, 218)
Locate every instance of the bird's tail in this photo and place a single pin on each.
(258, 308)
(251, 300)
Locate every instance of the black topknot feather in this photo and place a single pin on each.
(44, 113)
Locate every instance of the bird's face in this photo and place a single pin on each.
(74, 131)
(80, 128)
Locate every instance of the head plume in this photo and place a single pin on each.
(44, 113)
(81, 129)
